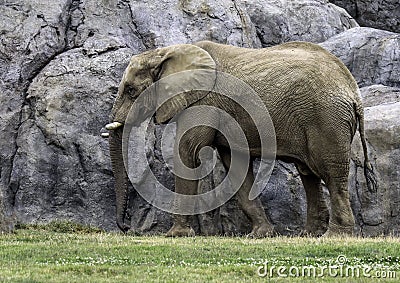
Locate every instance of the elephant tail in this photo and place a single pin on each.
(369, 173)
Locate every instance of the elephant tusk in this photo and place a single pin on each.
(105, 135)
(113, 125)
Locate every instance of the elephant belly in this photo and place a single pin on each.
(253, 148)
(290, 143)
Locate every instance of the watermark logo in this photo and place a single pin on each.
(340, 267)
(172, 91)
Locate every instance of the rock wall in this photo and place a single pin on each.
(380, 14)
(281, 21)
(371, 55)
(61, 63)
(378, 213)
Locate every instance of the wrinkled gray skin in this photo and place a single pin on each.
(313, 101)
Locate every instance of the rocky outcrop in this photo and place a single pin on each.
(371, 55)
(376, 95)
(31, 35)
(60, 66)
(281, 21)
(63, 160)
(382, 14)
(378, 212)
(6, 222)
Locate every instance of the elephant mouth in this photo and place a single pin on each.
(111, 127)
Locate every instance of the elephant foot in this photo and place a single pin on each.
(179, 231)
(312, 232)
(317, 224)
(262, 231)
(123, 226)
(339, 231)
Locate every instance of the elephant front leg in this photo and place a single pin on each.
(189, 143)
(181, 223)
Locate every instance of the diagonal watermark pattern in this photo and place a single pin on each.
(175, 86)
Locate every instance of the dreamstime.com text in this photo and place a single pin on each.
(339, 268)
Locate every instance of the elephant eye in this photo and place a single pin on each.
(130, 90)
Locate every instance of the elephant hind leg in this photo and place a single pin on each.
(329, 158)
(342, 219)
(336, 176)
(317, 208)
(261, 226)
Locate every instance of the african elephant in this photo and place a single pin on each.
(314, 104)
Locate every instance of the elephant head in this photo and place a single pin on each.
(143, 70)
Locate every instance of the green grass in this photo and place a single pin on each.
(63, 252)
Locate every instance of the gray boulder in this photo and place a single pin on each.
(6, 222)
(371, 55)
(32, 33)
(61, 169)
(376, 95)
(170, 22)
(281, 21)
(377, 213)
(382, 14)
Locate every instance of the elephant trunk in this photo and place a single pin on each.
(121, 177)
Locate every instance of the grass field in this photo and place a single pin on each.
(67, 253)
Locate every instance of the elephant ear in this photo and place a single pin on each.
(175, 59)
